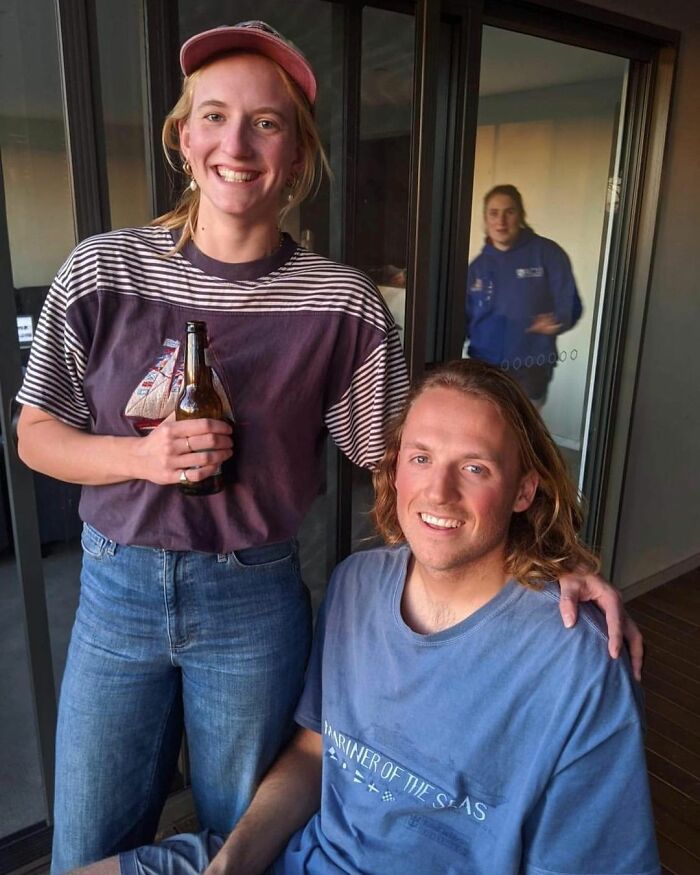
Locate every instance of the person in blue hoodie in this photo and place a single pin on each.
(521, 294)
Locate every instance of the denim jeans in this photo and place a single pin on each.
(218, 643)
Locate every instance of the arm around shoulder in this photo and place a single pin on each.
(288, 797)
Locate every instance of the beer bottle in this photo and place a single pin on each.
(199, 399)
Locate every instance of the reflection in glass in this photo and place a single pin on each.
(383, 171)
(22, 796)
(121, 71)
(383, 175)
(33, 145)
(548, 124)
(39, 220)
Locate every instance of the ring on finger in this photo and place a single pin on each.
(183, 476)
(189, 448)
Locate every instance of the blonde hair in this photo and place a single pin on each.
(314, 160)
(543, 540)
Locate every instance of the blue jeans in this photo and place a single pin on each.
(161, 639)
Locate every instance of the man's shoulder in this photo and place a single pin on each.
(583, 648)
(592, 620)
(540, 608)
(367, 570)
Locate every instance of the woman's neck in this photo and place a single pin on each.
(236, 243)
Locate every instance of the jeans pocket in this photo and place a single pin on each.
(266, 556)
(94, 544)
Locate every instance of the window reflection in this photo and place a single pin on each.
(39, 221)
(383, 176)
(121, 72)
(547, 124)
(384, 154)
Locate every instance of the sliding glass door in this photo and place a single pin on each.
(549, 124)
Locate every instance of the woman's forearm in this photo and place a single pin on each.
(50, 446)
(66, 453)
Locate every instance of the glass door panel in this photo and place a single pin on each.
(38, 221)
(383, 181)
(383, 173)
(22, 801)
(120, 50)
(548, 123)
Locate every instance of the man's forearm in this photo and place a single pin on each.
(288, 796)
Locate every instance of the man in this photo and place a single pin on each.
(449, 723)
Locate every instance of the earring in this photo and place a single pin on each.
(292, 185)
(187, 170)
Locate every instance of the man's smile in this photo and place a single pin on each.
(441, 522)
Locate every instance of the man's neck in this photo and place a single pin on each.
(434, 601)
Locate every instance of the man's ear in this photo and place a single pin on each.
(526, 491)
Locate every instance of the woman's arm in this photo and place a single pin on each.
(50, 446)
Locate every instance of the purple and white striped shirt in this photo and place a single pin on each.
(301, 345)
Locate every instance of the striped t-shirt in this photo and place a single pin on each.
(299, 346)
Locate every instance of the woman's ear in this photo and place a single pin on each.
(526, 491)
(298, 162)
(183, 132)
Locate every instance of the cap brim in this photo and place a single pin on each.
(200, 48)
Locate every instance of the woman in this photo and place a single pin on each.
(203, 617)
(192, 610)
(521, 294)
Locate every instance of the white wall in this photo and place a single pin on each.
(659, 527)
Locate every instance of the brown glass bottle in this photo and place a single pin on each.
(199, 399)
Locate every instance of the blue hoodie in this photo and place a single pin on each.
(507, 290)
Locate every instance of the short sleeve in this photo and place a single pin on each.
(357, 421)
(595, 817)
(309, 709)
(54, 378)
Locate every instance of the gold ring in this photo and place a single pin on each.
(183, 476)
(189, 448)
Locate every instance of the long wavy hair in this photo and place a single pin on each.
(314, 160)
(543, 540)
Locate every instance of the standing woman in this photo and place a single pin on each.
(521, 294)
(192, 609)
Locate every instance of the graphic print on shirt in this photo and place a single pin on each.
(156, 395)
(523, 273)
(387, 781)
(481, 294)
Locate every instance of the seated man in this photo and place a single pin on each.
(450, 723)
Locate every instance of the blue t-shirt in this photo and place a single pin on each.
(504, 744)
(507, 289)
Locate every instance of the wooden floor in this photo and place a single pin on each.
(669, 618)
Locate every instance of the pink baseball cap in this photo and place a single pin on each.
(254, 36)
